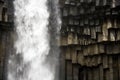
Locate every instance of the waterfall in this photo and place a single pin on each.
(36, 54)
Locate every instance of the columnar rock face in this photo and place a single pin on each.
(90, 40)
(3, 11)
(6, 39)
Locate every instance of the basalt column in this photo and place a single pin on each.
(6, 39)
(90, 39)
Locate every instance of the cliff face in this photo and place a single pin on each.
(6, 47)
(6, 38)
(90, 42)
(10, 9)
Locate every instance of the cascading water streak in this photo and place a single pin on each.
(33, 42)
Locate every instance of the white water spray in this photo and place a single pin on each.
(33, 42)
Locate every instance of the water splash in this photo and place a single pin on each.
(33, 45)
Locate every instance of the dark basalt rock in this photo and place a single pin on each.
(6, 36)
(90, 48)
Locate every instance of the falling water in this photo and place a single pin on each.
(37, 30)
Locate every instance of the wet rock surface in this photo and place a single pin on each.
(90, 40)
